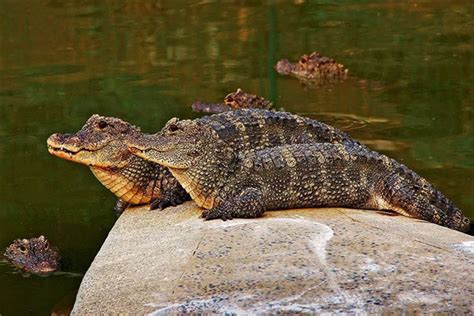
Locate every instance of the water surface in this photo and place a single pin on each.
(410, 95)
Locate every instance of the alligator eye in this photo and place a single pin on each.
(22, 249)
(173, 127)
(102, 124)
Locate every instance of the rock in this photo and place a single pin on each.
(307, 260)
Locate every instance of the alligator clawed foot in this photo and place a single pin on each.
(215, 214)
(160, 204)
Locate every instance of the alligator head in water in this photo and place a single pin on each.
(313, 68)
(233, 101)
(34, 255)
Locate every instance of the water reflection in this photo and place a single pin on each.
(410, 95)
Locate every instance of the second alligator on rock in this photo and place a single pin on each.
(232, 180)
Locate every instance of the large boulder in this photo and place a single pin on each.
(306, 260)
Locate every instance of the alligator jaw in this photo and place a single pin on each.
(57, 149)
(62, 152)
(54, 150)
(45, 268)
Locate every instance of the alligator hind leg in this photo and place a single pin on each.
(248, 204)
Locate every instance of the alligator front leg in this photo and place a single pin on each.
(248, 204)
(120, 206)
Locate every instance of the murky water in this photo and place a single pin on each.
(410, 95)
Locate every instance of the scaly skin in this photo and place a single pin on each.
(250, 129)
(233, 101)
(100, 145)
(235, 181)
(34, 255)
(313, 68)
(136, 181)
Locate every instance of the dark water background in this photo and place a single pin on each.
(411, 96)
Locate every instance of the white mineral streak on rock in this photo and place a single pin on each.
(167, 309)
(418, 297)
(467, 246)
(319, 236)
(318, 241)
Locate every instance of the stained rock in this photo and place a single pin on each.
(306, 260)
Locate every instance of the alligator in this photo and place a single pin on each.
(34, 255)
(233, 101)
(245, 181)
(100, 145)
(313, 68)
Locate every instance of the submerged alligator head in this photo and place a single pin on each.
(34, 255)
(233, 101)
(313, 68)
(100, 144)
(241, 100)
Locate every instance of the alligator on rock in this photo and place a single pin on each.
(231, 170)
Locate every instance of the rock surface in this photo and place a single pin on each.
(311, 260)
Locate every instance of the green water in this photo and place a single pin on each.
(411, 95)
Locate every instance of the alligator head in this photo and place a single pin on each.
(177, 145)
(284, 67)
(34, 255)
(233, 101)
(313, 67)
(239, 100)
(100, 143)
(192, 152)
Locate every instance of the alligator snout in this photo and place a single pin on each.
(63, 143)
(284, 66)
(60, 139)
